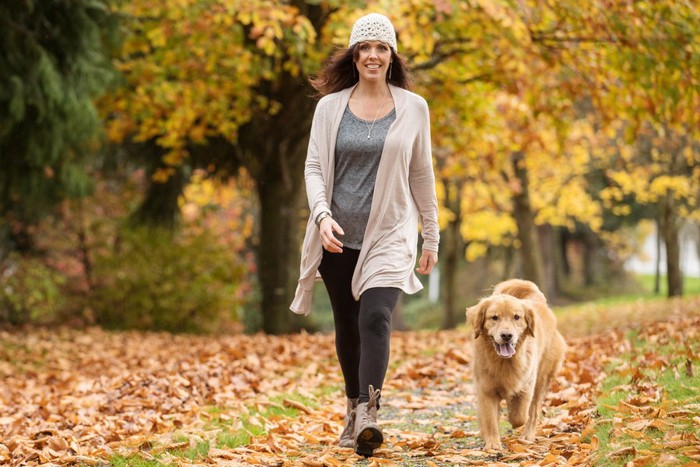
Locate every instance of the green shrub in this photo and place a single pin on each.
(30, 291)
(157, 280)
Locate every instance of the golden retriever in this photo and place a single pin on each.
(517, 352)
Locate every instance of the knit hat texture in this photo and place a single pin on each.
(373, 27)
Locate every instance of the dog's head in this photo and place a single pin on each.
(504, 320)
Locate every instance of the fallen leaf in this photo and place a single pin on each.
(623, 452)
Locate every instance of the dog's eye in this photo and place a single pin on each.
(516, 317)
(494, 317)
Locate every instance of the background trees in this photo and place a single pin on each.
(549, 120)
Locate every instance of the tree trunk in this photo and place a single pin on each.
(657, 265)
(273, 149)
(563, 245)
(452, 251)
(160, 207)
(510, 263)
(527, 232)
(547, 237)
(278, 253)
(671, 231)
(593, 269)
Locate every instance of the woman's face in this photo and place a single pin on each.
(373, 59)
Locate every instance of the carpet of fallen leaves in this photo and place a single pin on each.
(87, 396)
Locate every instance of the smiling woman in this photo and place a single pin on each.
(369, 182)
(341, 72)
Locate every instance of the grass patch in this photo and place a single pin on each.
(691, 285)
(133, 461)
(613, 393)
(236, 439)
(641, 290)
(199, 450)
(248, 428)
(238, 429)
(649, 401)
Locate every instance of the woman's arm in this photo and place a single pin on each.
(422, 182)
(313, 170)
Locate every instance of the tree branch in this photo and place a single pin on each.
(439, 55)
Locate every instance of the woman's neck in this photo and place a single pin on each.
(372, 90)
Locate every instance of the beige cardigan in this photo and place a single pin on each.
(404, 195)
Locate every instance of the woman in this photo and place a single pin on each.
(369, 182)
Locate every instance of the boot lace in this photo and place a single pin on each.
(373, 397)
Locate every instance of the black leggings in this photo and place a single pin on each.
(362, 328)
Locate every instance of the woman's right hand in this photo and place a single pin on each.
(328, 239)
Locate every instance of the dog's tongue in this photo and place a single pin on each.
(506, 350)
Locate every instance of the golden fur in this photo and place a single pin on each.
(517, 352)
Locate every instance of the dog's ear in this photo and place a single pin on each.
(476, 316)
(530, 320)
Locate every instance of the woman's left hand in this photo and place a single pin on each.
(427, 260)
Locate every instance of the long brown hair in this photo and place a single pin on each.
(339, 72)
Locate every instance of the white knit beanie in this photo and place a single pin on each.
(373, 27)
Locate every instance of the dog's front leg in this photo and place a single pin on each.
(518, 407)
(533, 413)
(488, 407)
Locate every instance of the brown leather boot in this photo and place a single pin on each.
(368, 434)
(347, 437)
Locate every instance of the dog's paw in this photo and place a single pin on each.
(493, 445)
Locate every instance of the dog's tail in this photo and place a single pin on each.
(519, 288)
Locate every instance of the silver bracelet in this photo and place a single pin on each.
(320, 217)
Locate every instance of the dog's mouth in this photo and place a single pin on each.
(506, 350)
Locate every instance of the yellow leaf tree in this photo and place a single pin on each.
(648, 91)
(518, 121)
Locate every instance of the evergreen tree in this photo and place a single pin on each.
(52, 66)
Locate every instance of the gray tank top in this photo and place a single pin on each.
(356, 162)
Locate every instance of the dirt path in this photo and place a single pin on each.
(428, 416)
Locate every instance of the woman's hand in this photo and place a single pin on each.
(328, 239)
(427, 260)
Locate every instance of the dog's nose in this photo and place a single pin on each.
(506, 336)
